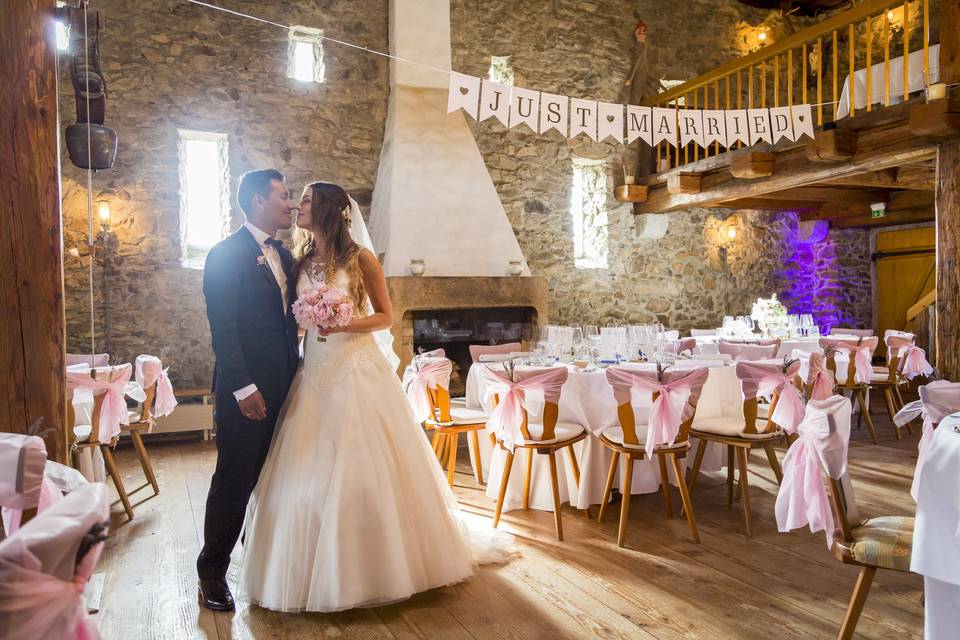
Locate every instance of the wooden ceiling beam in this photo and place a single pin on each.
(828, 194)
(920, 178)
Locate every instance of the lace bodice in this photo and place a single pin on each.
(313, 273)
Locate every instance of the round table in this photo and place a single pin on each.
(936, 534)
(588, 400)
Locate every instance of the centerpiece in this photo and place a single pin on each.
(770, 314)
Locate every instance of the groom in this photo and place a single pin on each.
(248, 283)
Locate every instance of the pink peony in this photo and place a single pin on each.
(323, 307)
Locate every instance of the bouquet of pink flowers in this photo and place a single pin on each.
(323, 306)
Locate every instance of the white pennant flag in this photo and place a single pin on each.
(714, 127)
(691, 126)
(758, 121)
(553, 113)
(639, 124)
(610, 121)
(524, 108)
(664, 125)
(583, 118)
(781, 124)
(463, 93)
(495, 101)
(737, 130)
(802, 121)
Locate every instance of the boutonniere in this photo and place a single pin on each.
(261, 260)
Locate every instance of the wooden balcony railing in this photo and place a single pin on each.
(796, 71)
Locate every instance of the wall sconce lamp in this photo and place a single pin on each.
(104, 215)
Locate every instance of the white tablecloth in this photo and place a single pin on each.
(587, 399)
(936, 536)
(877, 88)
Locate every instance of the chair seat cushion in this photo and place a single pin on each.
(463, 415)
(884, 542)
(81, 432)
(878, 376)
(725, 425)
(563, 431)
(615, 435)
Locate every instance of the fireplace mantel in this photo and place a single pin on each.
(417, 293)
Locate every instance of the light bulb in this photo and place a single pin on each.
(731, 233)
(890, 16)
(762, 37)
(104, 214)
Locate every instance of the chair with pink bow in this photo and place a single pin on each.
(819, 455)
(96, 360)
(45, 566)
(106, 385)
(859, 372)
(23, 487)
(887, 379)
(519, 394)
(427, 385)
(938, 399)
(849, 331)
(681, 345)
(160, 402)
(477, 350)
(750, 351)
(674, 395)
(747, 431)
(819, 383)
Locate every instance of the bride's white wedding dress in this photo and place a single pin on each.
(351, 508)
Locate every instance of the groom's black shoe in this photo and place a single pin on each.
(215, 594)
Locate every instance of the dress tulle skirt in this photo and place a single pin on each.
(352, 509)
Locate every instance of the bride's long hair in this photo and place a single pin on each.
(328, 236)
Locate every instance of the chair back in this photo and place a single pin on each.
(860, 351)
(860, 333)
(819, 453)
(695, 333)
(109, 407)
(937, 400)
(674, 397)
(45, 565)
(763, 378)
(426, 382)
(477, 350)
(752, 351)
(680, 345)
(820, 381)
(530, 390)
(22, 459)
(98, 360)
(671, 334)
(153, 379)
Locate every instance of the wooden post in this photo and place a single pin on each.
(31, 287)
(948, 209)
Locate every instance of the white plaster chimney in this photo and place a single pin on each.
(433, 198)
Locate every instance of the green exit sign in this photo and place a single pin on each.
(878, 209)
(878, 213)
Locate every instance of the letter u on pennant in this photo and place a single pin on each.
(524, 108)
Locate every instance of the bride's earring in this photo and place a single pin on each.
(345, 212)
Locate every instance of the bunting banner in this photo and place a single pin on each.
(625, 124)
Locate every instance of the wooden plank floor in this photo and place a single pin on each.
(775, 585)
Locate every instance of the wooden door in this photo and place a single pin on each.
(906, 271)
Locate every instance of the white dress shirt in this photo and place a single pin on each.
(276, 266)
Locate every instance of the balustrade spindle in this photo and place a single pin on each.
(836, 72)
(906, 51)
(853, 70)
(869, 33)
(819, 81)
(886, 58)
(926, 43)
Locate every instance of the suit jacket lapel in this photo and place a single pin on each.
(264, 268)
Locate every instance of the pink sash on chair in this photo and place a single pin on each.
(761, 378)
(915, 362)
(529, 392)
(861, 353)
(819, 377)
(821, 446)
(938, 400)
(677, 386)
(150, 370)
(425, 372)
(680, 346)
(111, 381)
(41, 586)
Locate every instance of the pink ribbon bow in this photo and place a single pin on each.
(915, 362)
(527, 393)
(821, 447)
(111, 382)
(861, 352)
(819, 378)
(761, 378)
(425, 373)
(939, 399)
(149, 371)
(676, 387)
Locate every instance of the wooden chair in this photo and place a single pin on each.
(22, 461)
(150, 375)
(857, 389)
(88, 436)
(887, 381)
(624, 441)
(543, 438)
(739, 433)
(875, 543)
(448, 421)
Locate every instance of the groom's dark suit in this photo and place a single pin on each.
(255, 342)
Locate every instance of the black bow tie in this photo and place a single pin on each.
(273, 242)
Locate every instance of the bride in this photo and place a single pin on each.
(351, 509)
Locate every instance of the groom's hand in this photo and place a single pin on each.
(253, 407)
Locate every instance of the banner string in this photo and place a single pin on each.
(383, 54)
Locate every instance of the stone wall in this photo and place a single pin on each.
(174, 65)
(585, 49)
(169, 66)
